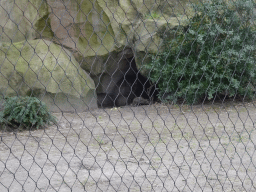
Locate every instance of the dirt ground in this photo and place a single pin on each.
(159, 147)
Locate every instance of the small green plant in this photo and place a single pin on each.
(213, 56)
(152, 15)
(84, 182)
(25, 112)
(100, 140)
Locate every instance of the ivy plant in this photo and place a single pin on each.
(213, 55)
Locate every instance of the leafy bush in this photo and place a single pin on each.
(27, 112)
(213, 55)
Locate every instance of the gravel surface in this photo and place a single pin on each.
(158, 147)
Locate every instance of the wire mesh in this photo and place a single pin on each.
(145, 95)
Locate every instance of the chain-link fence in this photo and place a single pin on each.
(127, 95)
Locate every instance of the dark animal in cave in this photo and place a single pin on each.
(105, 100)
(126, 89)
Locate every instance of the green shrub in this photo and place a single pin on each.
(27, 112)
(214, 55)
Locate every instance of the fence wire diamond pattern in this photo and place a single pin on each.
(131, 95)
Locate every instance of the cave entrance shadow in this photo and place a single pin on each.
(133, 87)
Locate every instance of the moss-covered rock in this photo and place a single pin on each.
(47, 71)
(24, 19)
(101, 35)
(96, 29)
(98, 33)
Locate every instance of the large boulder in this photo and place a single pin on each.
(24, 20)
(47, 71)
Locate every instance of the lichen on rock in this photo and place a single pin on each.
(24, 20)
(48, 71)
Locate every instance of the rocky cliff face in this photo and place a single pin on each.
(103, 33)
(102, 38)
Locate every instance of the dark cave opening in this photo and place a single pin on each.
(131, 85)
